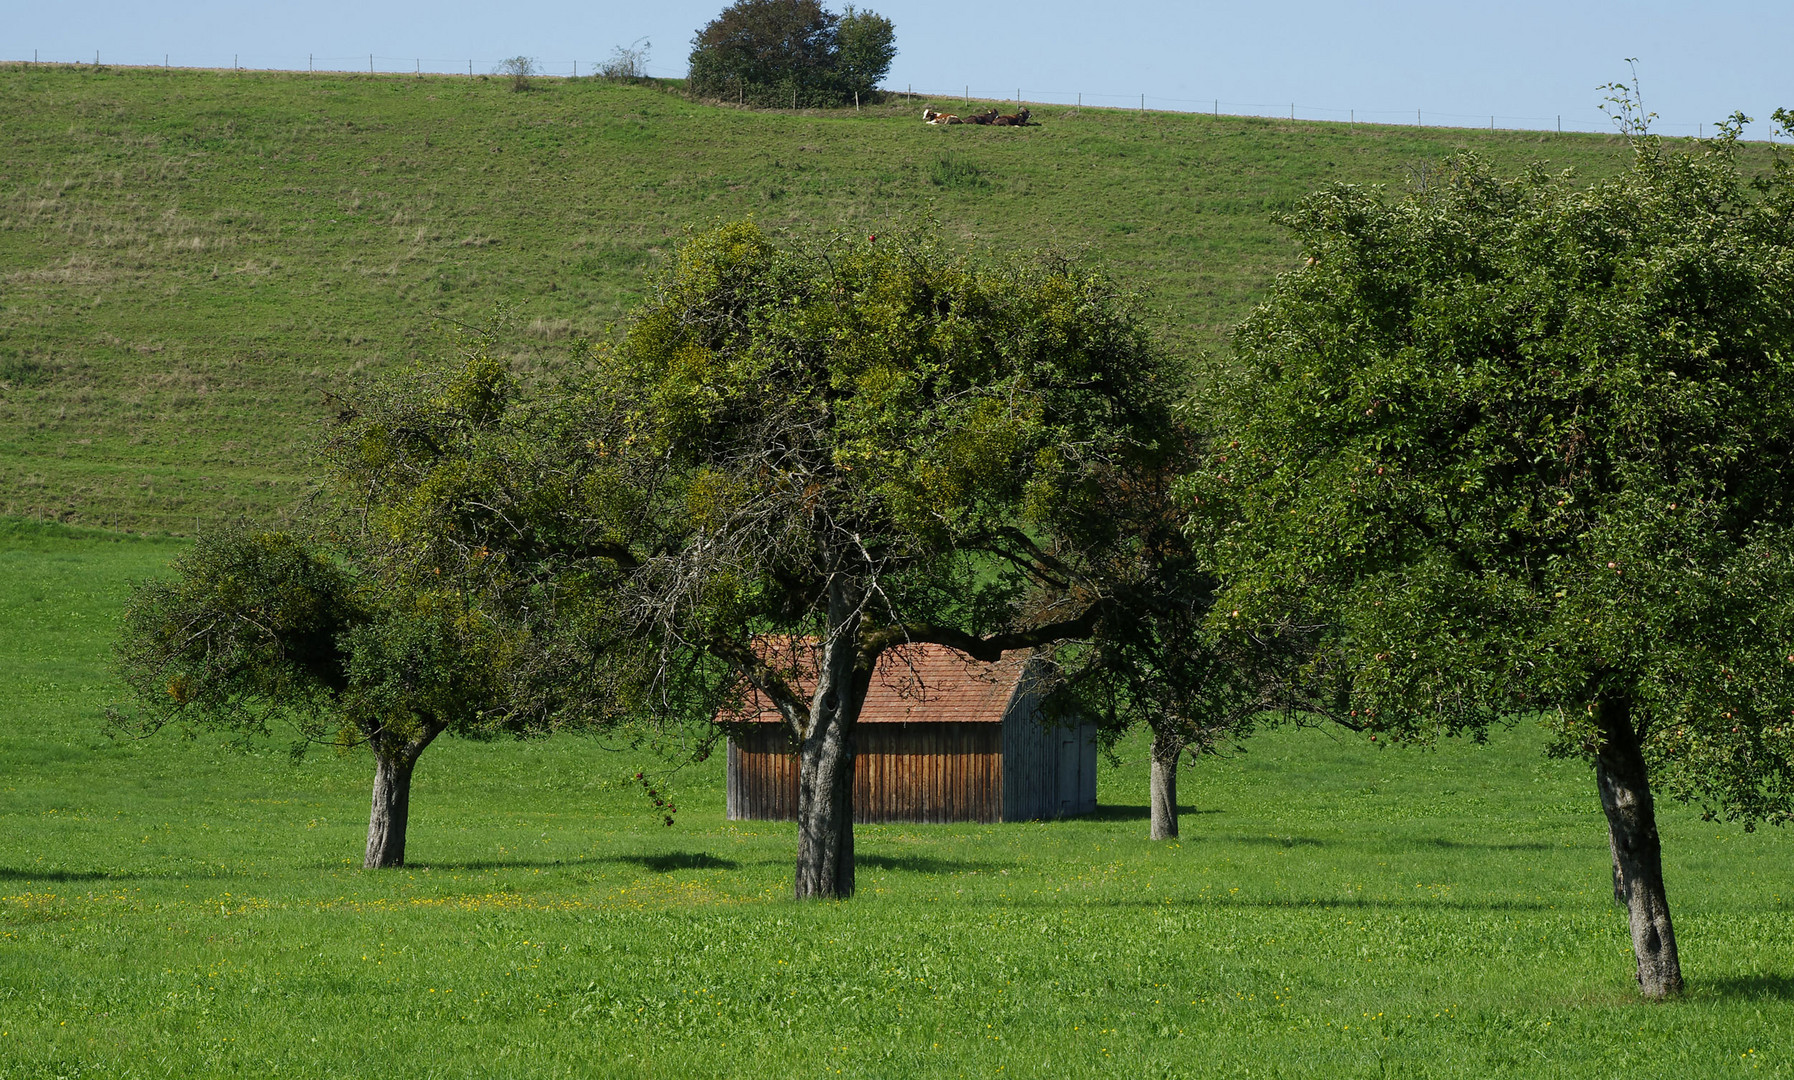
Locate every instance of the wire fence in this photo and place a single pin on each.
(376, 64)
(1220, 107)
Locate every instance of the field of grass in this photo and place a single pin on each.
(170, 908)
(188, 260)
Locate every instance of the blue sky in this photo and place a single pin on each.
(1523, 63)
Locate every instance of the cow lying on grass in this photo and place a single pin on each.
(989, 116)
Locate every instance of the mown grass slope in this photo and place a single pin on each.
(188, 260)
(171, 908)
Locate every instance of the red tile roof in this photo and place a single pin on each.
(913, 683)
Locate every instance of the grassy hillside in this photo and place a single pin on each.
(174, 909)
(188, 259)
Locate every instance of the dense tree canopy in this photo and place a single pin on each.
(1512, 447)
(786, 52)
(869, 443)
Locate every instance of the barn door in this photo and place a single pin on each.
(1070, 758)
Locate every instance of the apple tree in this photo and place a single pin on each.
(398, 616)
(1515, 447)
(866, 443)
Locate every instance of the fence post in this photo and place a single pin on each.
(370, 63)
(968, 94)
(1142, 105)
(470, 69)
(1417, 122)
(1560, 123)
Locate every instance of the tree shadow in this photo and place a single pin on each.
(1133, 813)
(1276, 841)
(8, 873)
(498, 864)
(1759, 987)
(676, 860)
(925, 864)
(1518, 845)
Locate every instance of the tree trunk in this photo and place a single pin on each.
(1619, 876)
(825, 760)
(825, 813)
(391, 812)
(1632, 828)
(1165, 752)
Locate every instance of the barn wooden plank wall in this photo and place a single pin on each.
(921, 772)
(1049, 770)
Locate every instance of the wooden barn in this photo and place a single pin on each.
(942, 738)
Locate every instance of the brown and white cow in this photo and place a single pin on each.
(929, 116)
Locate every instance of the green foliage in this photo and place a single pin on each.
(866, 43)
(249, 625)
(955, 438)
(258, 627)
(1515, 446)
(781, 52)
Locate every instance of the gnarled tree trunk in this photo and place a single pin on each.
(1166, 749)
(825, 761)
(394, 760)
(1632, 829)
(825, 812)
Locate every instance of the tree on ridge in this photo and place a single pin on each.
(785, 52)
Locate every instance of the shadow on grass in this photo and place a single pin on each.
(925, 864)
(8, 873)
(1132, 813)
(676, 860)
(1518, 845)
(1751, 987)
(1276, 841)
(497, 864)
(1295, 904)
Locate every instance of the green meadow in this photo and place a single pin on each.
(191, 262)
(175, 908)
